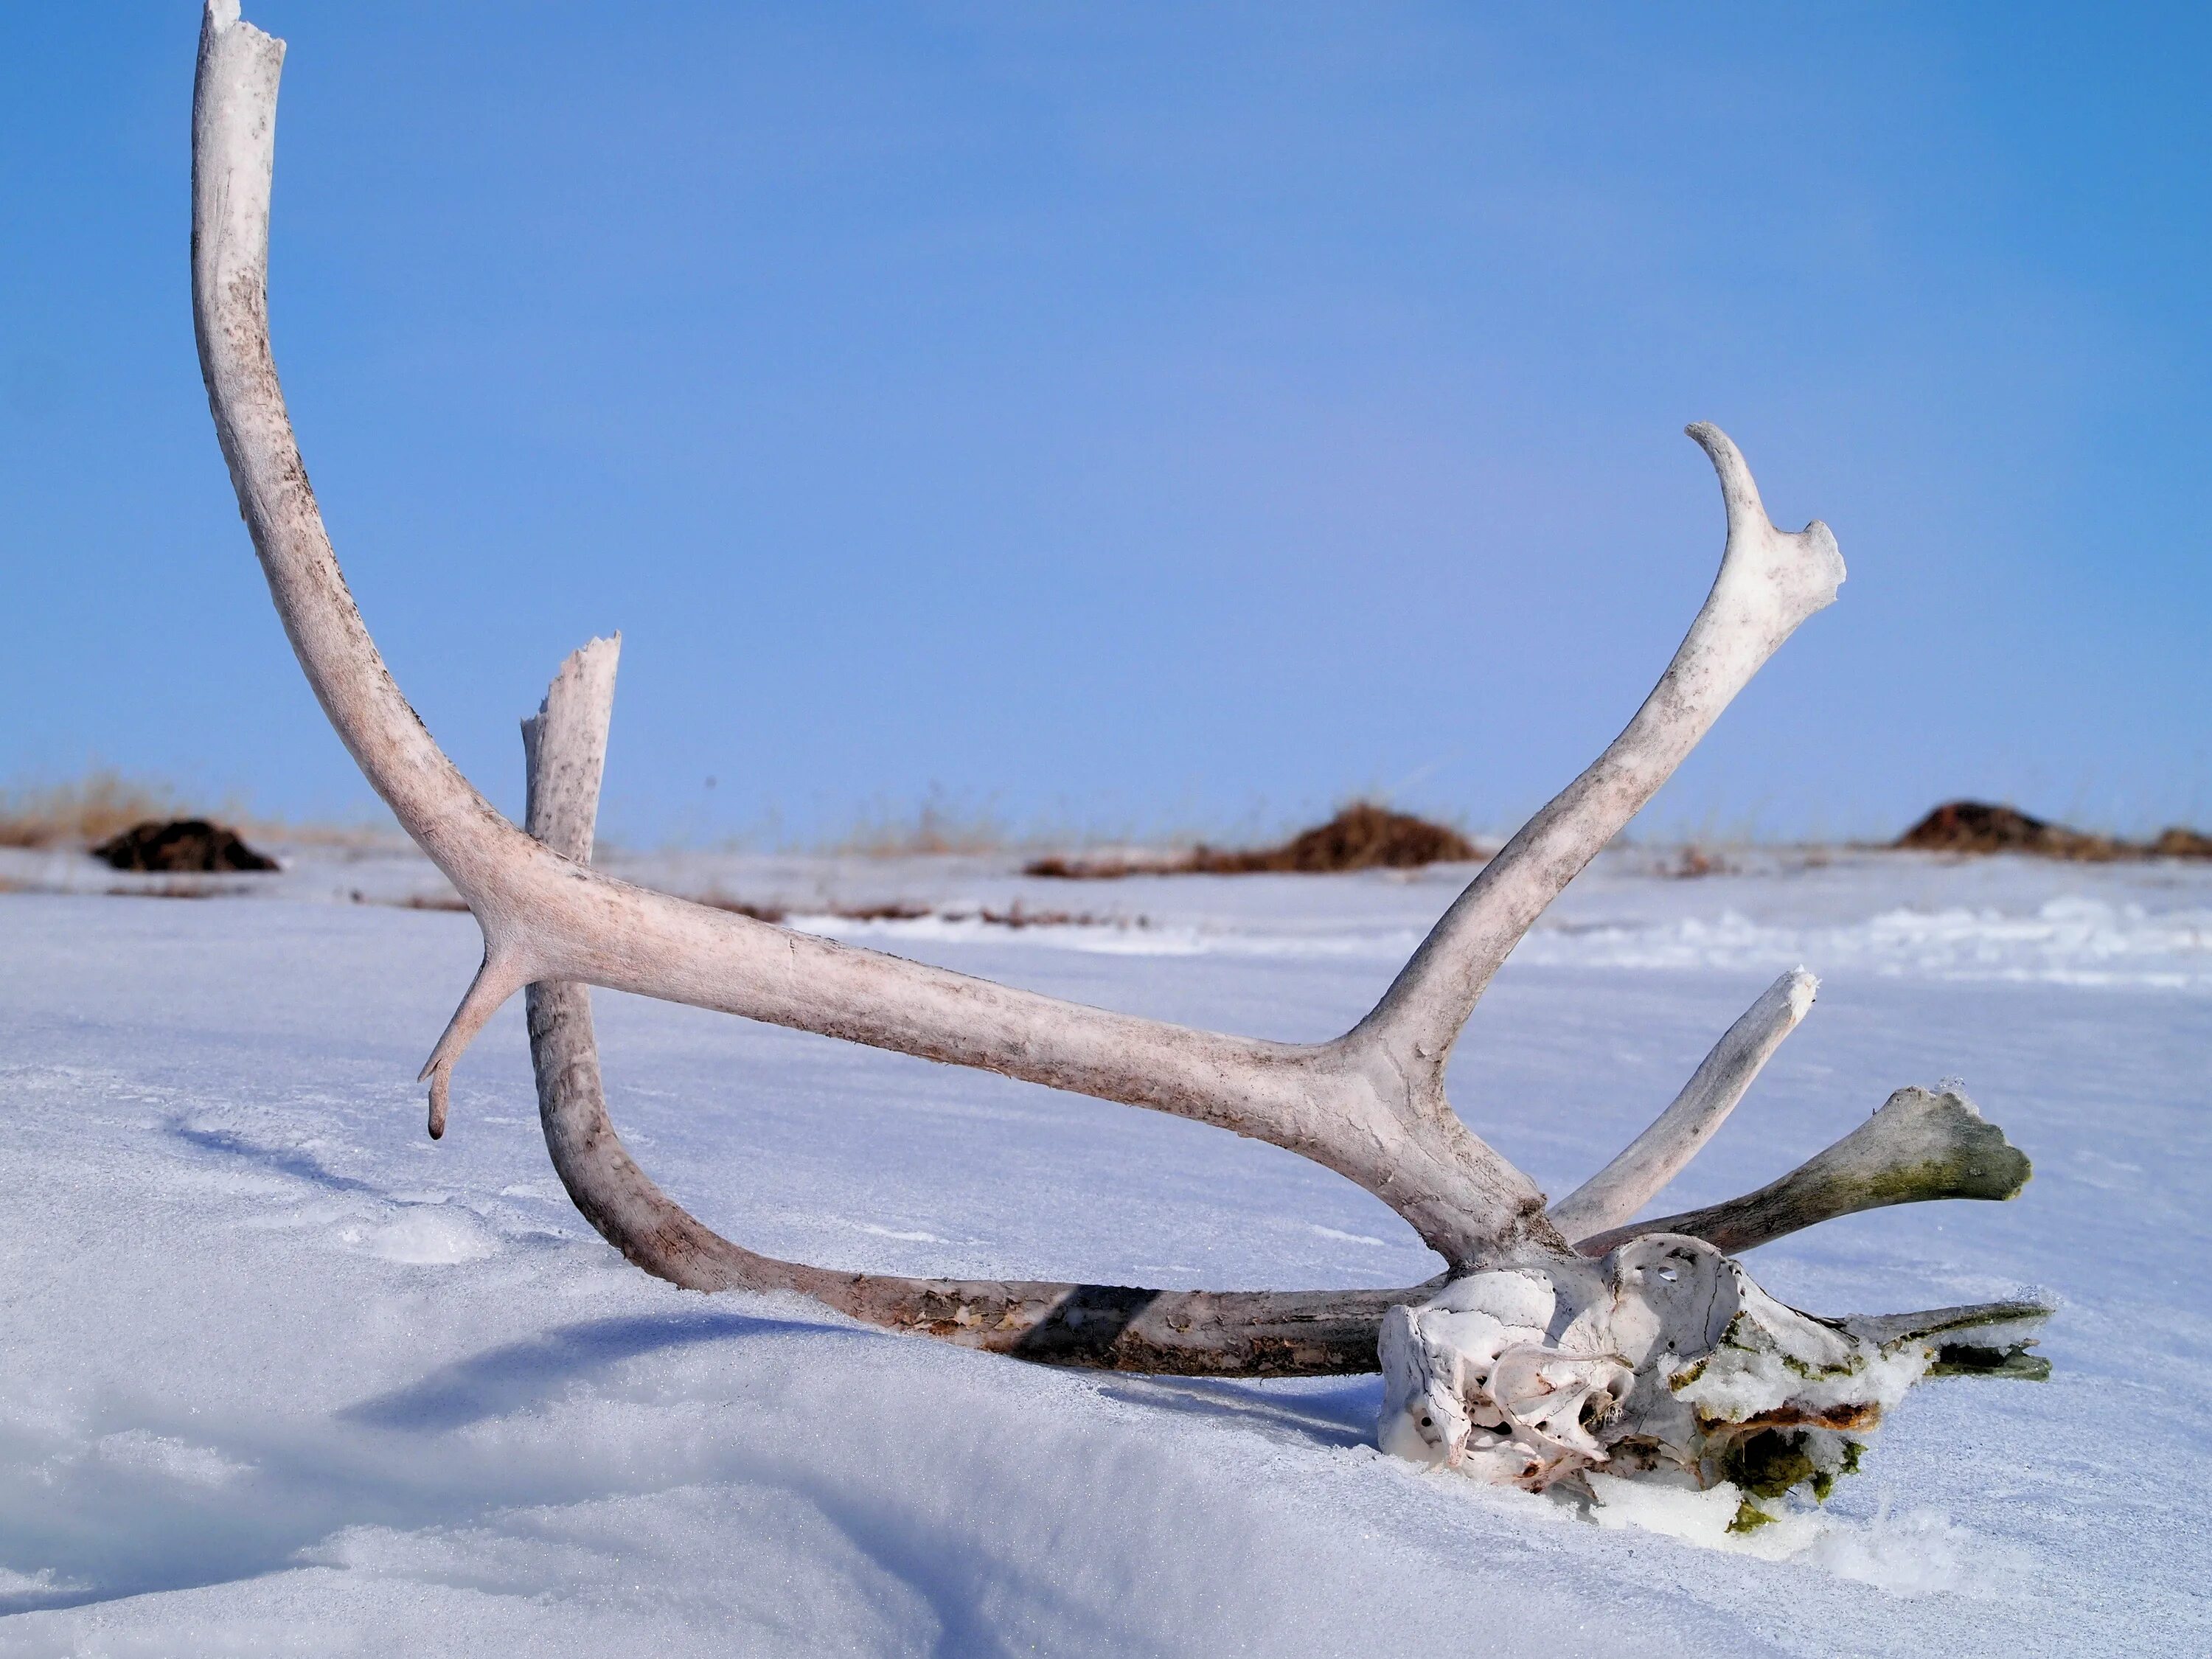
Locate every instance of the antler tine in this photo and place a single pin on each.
(545, 917)
(1658, 1156)
(1919, 1145)
(1245, 1333)
(564, 747)
(1770, 582)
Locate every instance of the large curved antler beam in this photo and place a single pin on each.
(1107, 1327)
(1248, 1334)
(545, 917)
(1370, 1106)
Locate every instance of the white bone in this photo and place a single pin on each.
(1531, 1364)
(1675, 1363)
(1370, 1105)
(1918, 1146)
(1656, 1157)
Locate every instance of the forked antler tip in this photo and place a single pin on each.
(1802, 568)
(1741, 488)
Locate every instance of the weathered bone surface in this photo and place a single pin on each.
(1656, 1157)
(1919, 1145)
(1530, 1413)
(1667, 1360)
(1527, 1361)
(1113, 1326)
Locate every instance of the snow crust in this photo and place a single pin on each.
(282, 1376)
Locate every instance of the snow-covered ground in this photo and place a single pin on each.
(280, 1375)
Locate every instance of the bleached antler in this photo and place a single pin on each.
(1513, 1329)
(1656, 1157)
(1370, 1106)
(1110, 1326)
(1918, 1146)
(1770, 582)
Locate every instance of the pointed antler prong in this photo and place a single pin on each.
(1625, 1186)
(498, 977)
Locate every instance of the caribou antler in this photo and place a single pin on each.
(1918, 1146)
(1534, 1343)
(1370, 1105)
(1111, 1327)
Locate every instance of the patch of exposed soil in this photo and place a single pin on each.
(1363, 837)
(180, 846)
(2180, 843)
(1974, 826)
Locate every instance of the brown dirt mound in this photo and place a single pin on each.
(181, 847)
(2180, 843)
(1974, 826)
(1363, 837)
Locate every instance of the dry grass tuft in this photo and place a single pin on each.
(95, 807)
(939, 825)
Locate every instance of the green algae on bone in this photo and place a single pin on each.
(1920, 1145)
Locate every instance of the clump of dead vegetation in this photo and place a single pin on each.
(181, 847)
(1974, 826)
(940, 825)
(93, 808)
(1364, 836)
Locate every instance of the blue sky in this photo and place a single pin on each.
(1138, 418)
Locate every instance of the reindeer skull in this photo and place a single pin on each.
(1664, 1356)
